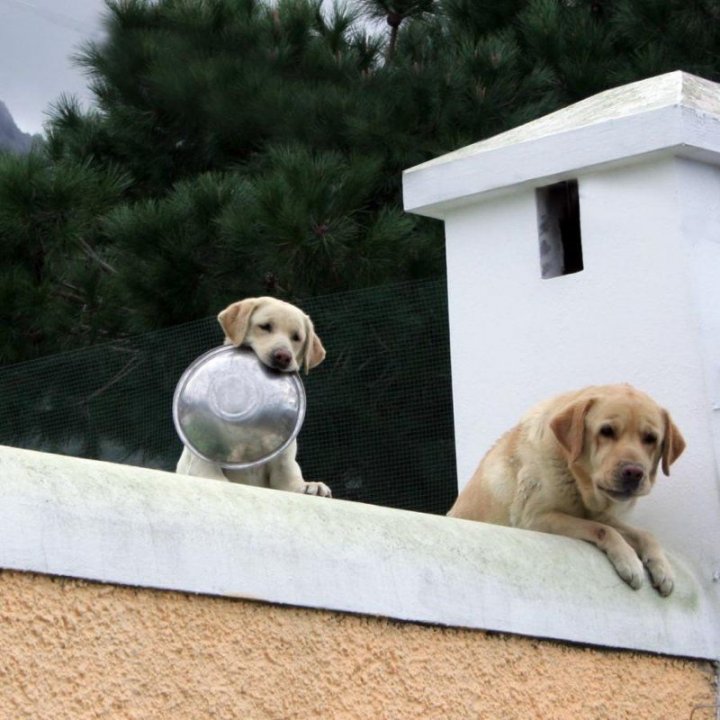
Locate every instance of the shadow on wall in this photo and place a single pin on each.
(379, 425)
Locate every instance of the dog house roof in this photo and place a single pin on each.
(675, 112)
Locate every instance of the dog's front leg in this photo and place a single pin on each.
(606, 538)
(651, 554)
(291, 480)
(284, 473)
(190, 464)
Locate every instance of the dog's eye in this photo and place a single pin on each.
(267, 327)
(649, 438)
(295, 337)
(607, 431)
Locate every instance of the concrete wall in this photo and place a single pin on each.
(643, 309)
(629, 316)
(75, 650)
(144, 528)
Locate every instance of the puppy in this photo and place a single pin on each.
(283, 338)
(572, 466)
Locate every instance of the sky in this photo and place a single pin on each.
(37, 40)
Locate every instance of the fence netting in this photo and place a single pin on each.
(379, 424)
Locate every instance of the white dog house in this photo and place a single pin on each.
(584, 248)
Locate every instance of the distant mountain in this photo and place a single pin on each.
(11, 137)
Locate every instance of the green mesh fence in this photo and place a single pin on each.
(378, 428)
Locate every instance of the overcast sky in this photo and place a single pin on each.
(37, 38)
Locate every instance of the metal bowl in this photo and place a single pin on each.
(232, 410)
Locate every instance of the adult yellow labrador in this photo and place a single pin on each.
(283, 337)
(572, 465)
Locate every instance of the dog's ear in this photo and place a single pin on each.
(673, 443)
(235, 318)
(313, 352)
(568, 427)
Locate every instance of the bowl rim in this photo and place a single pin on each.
(294, 377)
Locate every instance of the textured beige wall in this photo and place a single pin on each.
(76, 650)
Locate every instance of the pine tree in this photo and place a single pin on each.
(53, 254)
(266, 110)
(239, 146)
(394, 13)
(655, 36)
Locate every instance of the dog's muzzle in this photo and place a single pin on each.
(626, 482)
(281, 359)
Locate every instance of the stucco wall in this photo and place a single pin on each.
(72, 649)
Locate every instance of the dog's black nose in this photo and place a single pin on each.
(281, 359)
(631, 476)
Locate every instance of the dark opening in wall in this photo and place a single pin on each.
(558, 211)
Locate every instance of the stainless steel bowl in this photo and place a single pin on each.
(232, 410)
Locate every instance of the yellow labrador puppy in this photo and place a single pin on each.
(571, 467)
(283, 338)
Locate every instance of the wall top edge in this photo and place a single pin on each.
(132, 526)
(466, 180)
(676, 89)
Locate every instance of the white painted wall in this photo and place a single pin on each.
(646, 307)
(629, 316)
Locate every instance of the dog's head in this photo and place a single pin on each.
(281, 335)
(615, 437)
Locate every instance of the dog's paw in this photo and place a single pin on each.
(630, 569)
(661, 574)
(317, 488)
